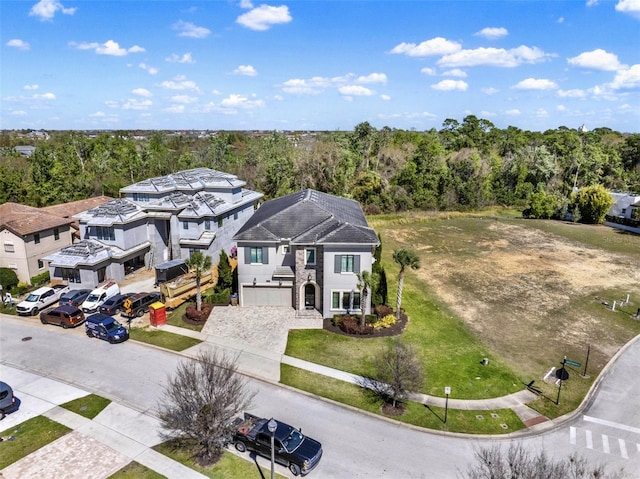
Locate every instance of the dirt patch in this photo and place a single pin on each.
(522, 290)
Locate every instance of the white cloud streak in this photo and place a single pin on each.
(264, 17)
(19, 44)
(435, 46)
(46, 9)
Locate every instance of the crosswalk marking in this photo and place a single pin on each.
(572, 435)
(605, 444)
(589, 440)
(623, 448)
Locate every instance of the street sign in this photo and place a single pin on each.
(575, 364)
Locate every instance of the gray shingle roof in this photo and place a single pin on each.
(309, 216)
(187, 180)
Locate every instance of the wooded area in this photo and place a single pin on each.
(464, 165)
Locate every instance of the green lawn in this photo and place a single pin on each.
(174, 318)
(88, 406)
(28, 437)
(135, 470)
(164, 339)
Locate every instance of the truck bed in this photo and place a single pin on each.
(249, 426)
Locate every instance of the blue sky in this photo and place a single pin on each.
(319, 65)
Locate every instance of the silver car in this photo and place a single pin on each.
(7, 399)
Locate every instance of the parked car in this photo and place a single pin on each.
(74, 297)
(293, 449)
(105, 327)
(65, 316)
(137, 305)
(7, 399)
(99, 296)
(113, 305)
(40, 299)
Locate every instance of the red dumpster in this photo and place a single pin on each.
(157, 314)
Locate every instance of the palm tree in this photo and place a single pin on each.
(404, 258)
(199, 264)
(366, 281)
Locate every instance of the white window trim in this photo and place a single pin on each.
(356, 307)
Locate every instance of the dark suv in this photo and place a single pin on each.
(113, 305)
(75, 297)
(139, 304)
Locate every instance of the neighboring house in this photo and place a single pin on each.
(27, 236)
(25, 150)
(304, 251)
(156, 220)
(68, 210)
(627, 206)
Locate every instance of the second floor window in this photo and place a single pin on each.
(36, 238)
(310, 256)
(185, 225)
(207, 225)
(256, 255)
(102, 232)
(56, 234)
(346, 263)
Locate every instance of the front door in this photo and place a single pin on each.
(309, 296)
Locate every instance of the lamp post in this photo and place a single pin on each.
(447, 391)
(272, 425)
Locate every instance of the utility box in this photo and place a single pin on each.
(157, 314)
(170, 270)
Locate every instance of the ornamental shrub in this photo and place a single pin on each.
(385, 322)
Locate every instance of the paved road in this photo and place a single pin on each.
(356, 445)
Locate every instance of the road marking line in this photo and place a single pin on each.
(605, 444)
(572, 435)
(623, 448)
(616, 425)
(589, 440)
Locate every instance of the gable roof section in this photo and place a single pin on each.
(24, 220)
(118, 211)
(307, 217)
(186, 180)
(66, 210)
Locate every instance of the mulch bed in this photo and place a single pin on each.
(393, 330)
(204, 313)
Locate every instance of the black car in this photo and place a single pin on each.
(137, 305)
(113, 305)
(75, 297)
(7, 399)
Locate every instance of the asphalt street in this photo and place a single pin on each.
(606, 431)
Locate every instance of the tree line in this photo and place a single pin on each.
(464, 165)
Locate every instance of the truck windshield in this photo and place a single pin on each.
(112, 326)
(32, 298)
(293, 440)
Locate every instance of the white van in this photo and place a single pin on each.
(99, 296)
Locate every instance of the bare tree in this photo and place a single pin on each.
(517, 462)
(398, 372)
(200, 402)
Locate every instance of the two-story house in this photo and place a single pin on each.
(156, 220)
(304, 251)
(27, 236)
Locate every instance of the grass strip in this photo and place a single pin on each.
(163, 339)
(88, 406)
(135, 470)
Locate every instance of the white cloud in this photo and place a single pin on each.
(19, 44)
(190, 30)
(179, 83)
(435, 46)
(264, 17)
(149, 69)
(240, 101)
(535, 84)
(246, 70)
(31, 87)
(373, 78)
(109, 47)
(627, 78)
(561, 108)
(490, 90)
(496, 57)
(541, 113)
(632, 7)
(573, 93)
(428, 71)
(183, 99)
(385, 97)
(596, 60)
(513, 112)
(142, 92)
(492, 33)
(98, 114)
(184, 58)
(44, 96)
(19, 113)
(46, 9)
(450, 85)
(174, 109)
(591, 3)
(136, 104)
(456, 72)
(355, 90)
(246, 4)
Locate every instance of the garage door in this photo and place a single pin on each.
(267, 296)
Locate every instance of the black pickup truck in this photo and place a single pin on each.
(292, 448)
